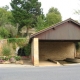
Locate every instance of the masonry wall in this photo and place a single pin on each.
(78, 53)
(2, 43)
(56, 50)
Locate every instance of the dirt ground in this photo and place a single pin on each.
(47, 63)
(59, 63)
(64, 62)
(27, 62)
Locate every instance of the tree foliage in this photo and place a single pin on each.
(5, 17)
(53, 16)
(3, 32)
(7, 28)
(6, 51)
(40, 22)
(25, 12)
(27, 49)
(12, 30)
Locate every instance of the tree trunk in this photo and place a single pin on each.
(27, 31)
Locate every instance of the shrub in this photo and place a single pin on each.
(77, 45)
(6, 51)
(6, 58)
(1, 59)
(27, 49)
(17, 58)
(11, 29)
(12, 59)
(3, 32)
(19, 41)
(14, 46)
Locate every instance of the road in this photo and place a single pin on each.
(41, 73)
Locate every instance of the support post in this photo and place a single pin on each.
(35, 52)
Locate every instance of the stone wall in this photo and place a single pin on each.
(78, 53)
(56, 50)
(2, 43)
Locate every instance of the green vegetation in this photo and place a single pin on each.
(25, 12)
(19, 41)
(27, 49)
(17, 58)
(6, 51)
(40, 23)
(77, 45)
(5, 58)
(28, 14)
(52, 17)
(3, 32)
(7, 28)
(5, 17)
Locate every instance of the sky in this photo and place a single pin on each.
(65, 7)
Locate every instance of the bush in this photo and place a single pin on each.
(19, 41)
(12, 59)
(27, 49)
(6, 51)
(14, 46)
(11, 29)
(4, 33)
(77, 45)
(4, 58)
(17, 58)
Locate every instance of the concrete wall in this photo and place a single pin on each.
(56, 50)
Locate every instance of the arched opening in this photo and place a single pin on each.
(21, 52)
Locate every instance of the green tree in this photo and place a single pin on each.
(5, 17)
(6, 7)
(27, 49)
(40, 23)
(12, 30)
(25, 12)
(6, 51)
(53, 16)
(6, 23)
(4, 33)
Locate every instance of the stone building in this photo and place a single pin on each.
(56, 42)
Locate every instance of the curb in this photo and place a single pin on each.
(13, 65)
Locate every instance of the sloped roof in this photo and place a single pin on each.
(54, 26)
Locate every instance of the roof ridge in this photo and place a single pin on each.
(53, 26)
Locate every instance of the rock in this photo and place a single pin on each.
(21, 62)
